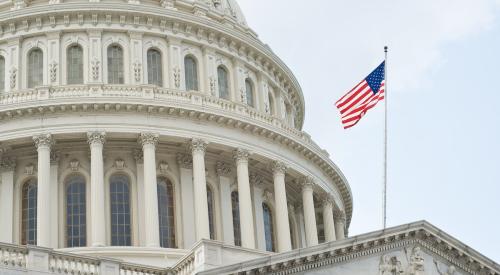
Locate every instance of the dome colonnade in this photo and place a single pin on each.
(194, 128)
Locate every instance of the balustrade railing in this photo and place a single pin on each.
(13, 256)
(72, 264)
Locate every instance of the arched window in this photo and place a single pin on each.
(29, 199)
(74, 62)
(115, 65)
(166, 212)
(249, 92)
(236, 218)
(271, 104)
(2, 74)
(120, 210)
(76, 218)
(155, 70)
(35, 68)
(223, 82)
(210, 200)
(191, 73)
(268, 228)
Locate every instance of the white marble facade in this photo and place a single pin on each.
(127, 128)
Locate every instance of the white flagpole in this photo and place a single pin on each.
(385, 144)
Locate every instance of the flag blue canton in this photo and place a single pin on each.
(376, 77)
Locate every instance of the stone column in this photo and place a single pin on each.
(7, 166)
(43, 144)
(257, 183)
(224, 171)
(54, 206)
(328, 219)
(149, 141)
(281, 205)
(309, 212)
(340, 221)
(97, 205)
(245, 199)
(141, 208)
(185, 163)
(198, 147)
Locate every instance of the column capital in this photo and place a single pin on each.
(138, 156)
(278, 167)
(43, 140)
(54, 157)
(198, 145)
(7, 164)
(223, 169)
(184, 161)
(97, 137)
(307, 182)
(339, 216)
(149, 139)
(256, 179)
(327, 200)
(241, 155)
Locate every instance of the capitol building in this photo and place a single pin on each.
(162, 137)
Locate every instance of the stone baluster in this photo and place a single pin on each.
(281, 205)
(97, 206)
(329, 226)
(245, 199)
(309, 211)
(43, 144)
(198, 147)
(149, 142)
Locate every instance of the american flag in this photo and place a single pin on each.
(354, 105)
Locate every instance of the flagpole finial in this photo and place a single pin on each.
(386, 48)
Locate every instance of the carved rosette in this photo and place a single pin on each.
(241, 155)
(149, 139)
(96, 138)
(185, 161)
(223, 169)
(198, 146)
(43, 141)
(278, 168)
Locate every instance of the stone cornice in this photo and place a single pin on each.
(421, 234)
(190, 105)
(154, 20)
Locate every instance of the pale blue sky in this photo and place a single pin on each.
(444, 124)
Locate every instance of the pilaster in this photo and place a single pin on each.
(95, 55)
(136, 55)
(176, 64)
(53, 57)
(12, 65)
(7, 167)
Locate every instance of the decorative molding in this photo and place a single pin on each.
(13, 77)
(138, 156)
(7, 164)
(278, 167)
(177, 77)
(119, 164)
(307, 182)
(74, 165)
(184, 161)
(96, 137)
(95, 65)
(137, 70)
(43, 140)
(339, 216)
(198, 145)
(223, 169)
(241, 155)
(149, 139)
(256, 179)
(29, 169)
(163, 167)
(53, 71)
